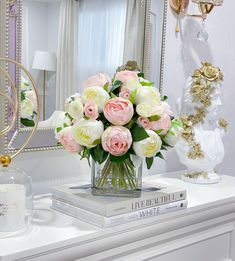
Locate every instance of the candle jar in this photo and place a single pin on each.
(16, 202)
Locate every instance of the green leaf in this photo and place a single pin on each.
(158, 131)
(166, 144)
(96, 142)
(68, 116)
(113, 95)
(58, 129)
(138, 132)
(106, 87)
(154, 118)
(133, 96)
(22, 96)
(141, 74)
(129, 125)
(164, 98)
(119, 158)
(27, 122)
(117, 84)
(147, 83)
(98, 154)
(65, 125)
(85, 117)
(159, 154)
(149, 162)
(163, 148)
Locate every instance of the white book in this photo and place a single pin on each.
(106, 222)
(151, 195)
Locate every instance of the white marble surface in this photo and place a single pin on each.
(54, 231)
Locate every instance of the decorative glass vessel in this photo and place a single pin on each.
(16, 202)
(117, 178)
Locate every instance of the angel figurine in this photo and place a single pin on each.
(200, 146)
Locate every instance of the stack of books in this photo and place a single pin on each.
(78, 201)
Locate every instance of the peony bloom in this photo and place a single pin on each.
(75, 109)
(148, 147)
(133, 85)
(87, 132)
(75, 97)
(145, 110)
(99, 80)
(173, 135)
(126, 76)
(125, 93)
(144, 122)
(116, 140)
(118, 111)
(66, 138)
(148, 95)
(91, 110)
(32, 97)
(97, 95)
(162, 124)
(26, 108)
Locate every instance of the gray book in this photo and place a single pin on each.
(81, 196)
(105, 222)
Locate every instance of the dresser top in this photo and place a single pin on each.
(53, 231)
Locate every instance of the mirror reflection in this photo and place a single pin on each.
(64, 42)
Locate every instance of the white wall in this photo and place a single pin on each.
(183, 55)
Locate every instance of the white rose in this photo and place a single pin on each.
(61, 122)
(75, 109)
(26, 108)
(148, 147)
(24, 84)
(88, 131)
(173, 134)
(133, 85)
(97, 95)
(32, 97)
(74, 97)
(148, 95)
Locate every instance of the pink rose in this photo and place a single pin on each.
(91, 110)
(66, 138)
(144, 122)
(118, 111)
(163, 124)
(99, 80)
(116, 140)
(125, 76)
(125, 93)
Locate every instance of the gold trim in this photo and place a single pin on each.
(5, 158)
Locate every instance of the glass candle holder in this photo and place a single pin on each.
(16, 202)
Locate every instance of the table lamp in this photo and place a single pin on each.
(44, 61)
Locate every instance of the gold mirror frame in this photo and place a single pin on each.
(8, 11)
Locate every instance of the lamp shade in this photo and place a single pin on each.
(44, 61)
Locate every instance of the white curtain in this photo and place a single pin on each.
(66, 60)
(134, 32)
(100, 37)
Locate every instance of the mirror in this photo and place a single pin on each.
(63, 42)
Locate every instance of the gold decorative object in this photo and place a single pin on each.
(204, 6)
(223, 124)
(5, 160)
(201, 92)
(130, 66)
(179, 7)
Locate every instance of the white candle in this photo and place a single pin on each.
(12, 207)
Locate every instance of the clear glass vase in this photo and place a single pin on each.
(113, 178)
(16, 202)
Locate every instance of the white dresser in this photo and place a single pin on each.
(205, 231)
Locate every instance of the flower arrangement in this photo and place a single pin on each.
(114, 121)
(28, 104)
